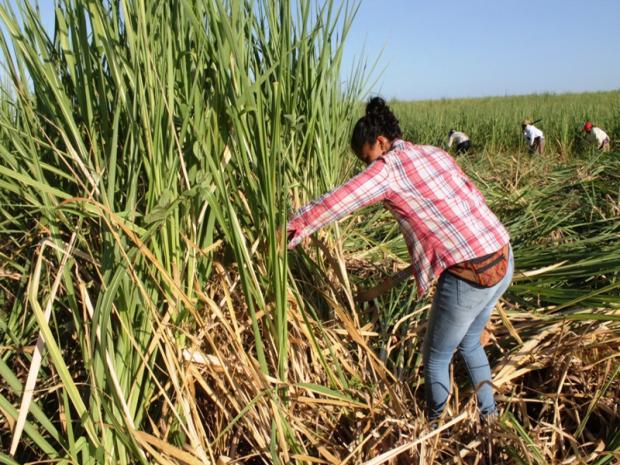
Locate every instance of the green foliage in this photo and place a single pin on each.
(168, 136)
(150, 152)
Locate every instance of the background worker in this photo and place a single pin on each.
(597, 136)
(533, 136)
(460, 139)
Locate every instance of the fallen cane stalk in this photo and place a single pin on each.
(400, 449)
(38, 351)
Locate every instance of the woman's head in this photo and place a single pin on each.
(374, 132)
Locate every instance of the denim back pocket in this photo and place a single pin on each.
(469, 295)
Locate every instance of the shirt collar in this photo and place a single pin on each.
(398, 144)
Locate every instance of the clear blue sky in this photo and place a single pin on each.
(460, 48)
(466, 48)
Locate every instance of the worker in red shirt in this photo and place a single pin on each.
(450, 233)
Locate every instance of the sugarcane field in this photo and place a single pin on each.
(225, 239)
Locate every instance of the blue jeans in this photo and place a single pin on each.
(458, 315)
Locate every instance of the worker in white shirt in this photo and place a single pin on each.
(597, 136)
(460, 139)
(534, 137)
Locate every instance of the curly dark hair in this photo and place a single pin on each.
(378, 121)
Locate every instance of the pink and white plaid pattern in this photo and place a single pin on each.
(443, 216)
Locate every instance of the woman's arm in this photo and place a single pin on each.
(368, 187)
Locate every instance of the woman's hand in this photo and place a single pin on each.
(290, 233)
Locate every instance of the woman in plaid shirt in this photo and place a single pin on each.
(450, 233)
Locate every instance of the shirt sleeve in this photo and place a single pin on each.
(451, 141)
(368, 187)
(599, 136)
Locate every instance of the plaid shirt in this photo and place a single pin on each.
(443, 216)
